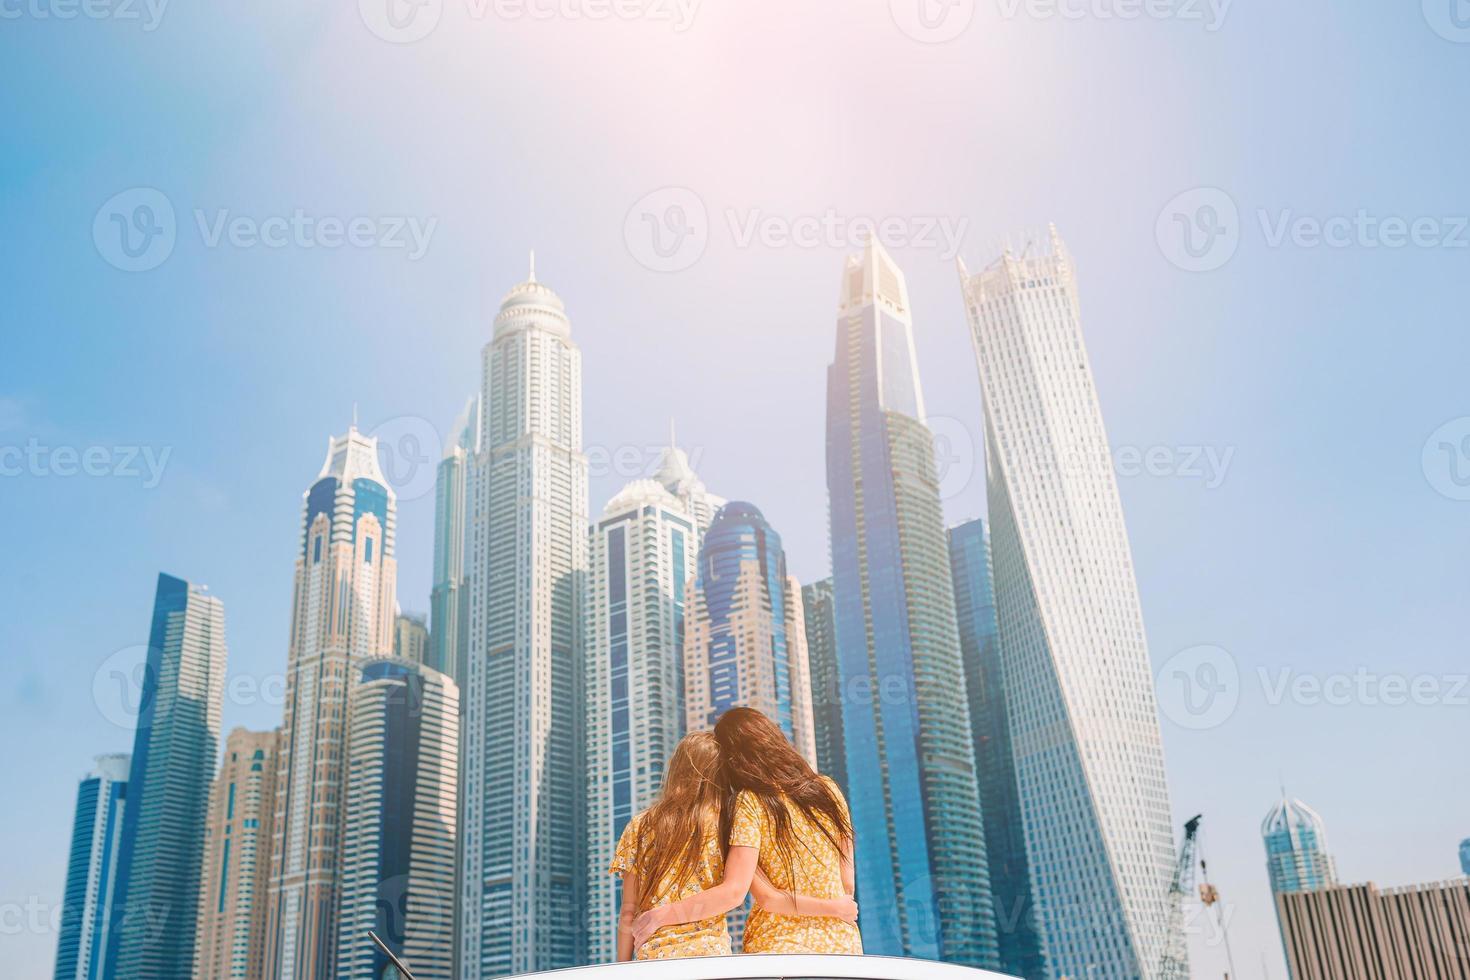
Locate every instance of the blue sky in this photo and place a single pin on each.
(1330, 546)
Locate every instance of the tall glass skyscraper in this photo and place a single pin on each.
(821, 650)
(644, 551)
(922, 880)
(523, 898)
(342, 614)
(230, 944)
(1297, 859)
(1465, 856)
(398, 853)
(746, 642)
(1079, 689)
(168, 785)
(449, 625)
(1021, 949)
(91, 871)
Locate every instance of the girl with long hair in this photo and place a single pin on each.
(788, 840)
(671, 851)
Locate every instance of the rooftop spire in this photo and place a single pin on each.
(673, 440)
(533, 266)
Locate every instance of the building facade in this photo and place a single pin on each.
(398, 854)
(91, 871)
(1362, 933)
(523, 903)
(342, 614)
(821, 648)
(410, 637)
(174, 751)
(923, 885)
(1297, 859)
(677, 476)
(1021, 948)
(230, 942)
(1080, 696)
(746, 640)
(644, 552)
(448, 617)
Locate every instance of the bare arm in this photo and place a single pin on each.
(632, 892)
(772, 899)
(739, 869)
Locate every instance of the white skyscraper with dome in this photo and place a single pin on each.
(522, 906)
(1083, 719)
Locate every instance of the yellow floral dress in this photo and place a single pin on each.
(816, 871)
(707, 937)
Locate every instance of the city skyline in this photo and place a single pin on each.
(1330, 546)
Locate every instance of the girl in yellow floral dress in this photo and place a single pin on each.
(789, 840)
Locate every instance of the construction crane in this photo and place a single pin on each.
(1175, 962)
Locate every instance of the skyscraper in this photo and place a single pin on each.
(644, 552)
(168, 785)
(1465, 856)
(921, 871)
(342, 614)
(1297, 859)
(398, 853)
(236, 873)
(1021, 949)
(523, 904)
(746, 641)
(91, 871)
(1358, 931)
(821, 647)
(410, 637)
(678, 477)
(1084, 725)
(448, 618)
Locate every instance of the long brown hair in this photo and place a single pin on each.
(755, 756)
(672, 833)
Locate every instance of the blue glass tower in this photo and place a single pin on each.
(173, 762)
(746, 640)
(923, 883)
(1021, 949)
(821, 647)
(1296, 848)
(91, 871)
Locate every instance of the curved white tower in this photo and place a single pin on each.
(1083, 721)
(522, 894)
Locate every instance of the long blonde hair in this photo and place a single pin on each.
(673, 833)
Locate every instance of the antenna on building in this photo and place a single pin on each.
(673, 440)
(533, 266)
(354, 416)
